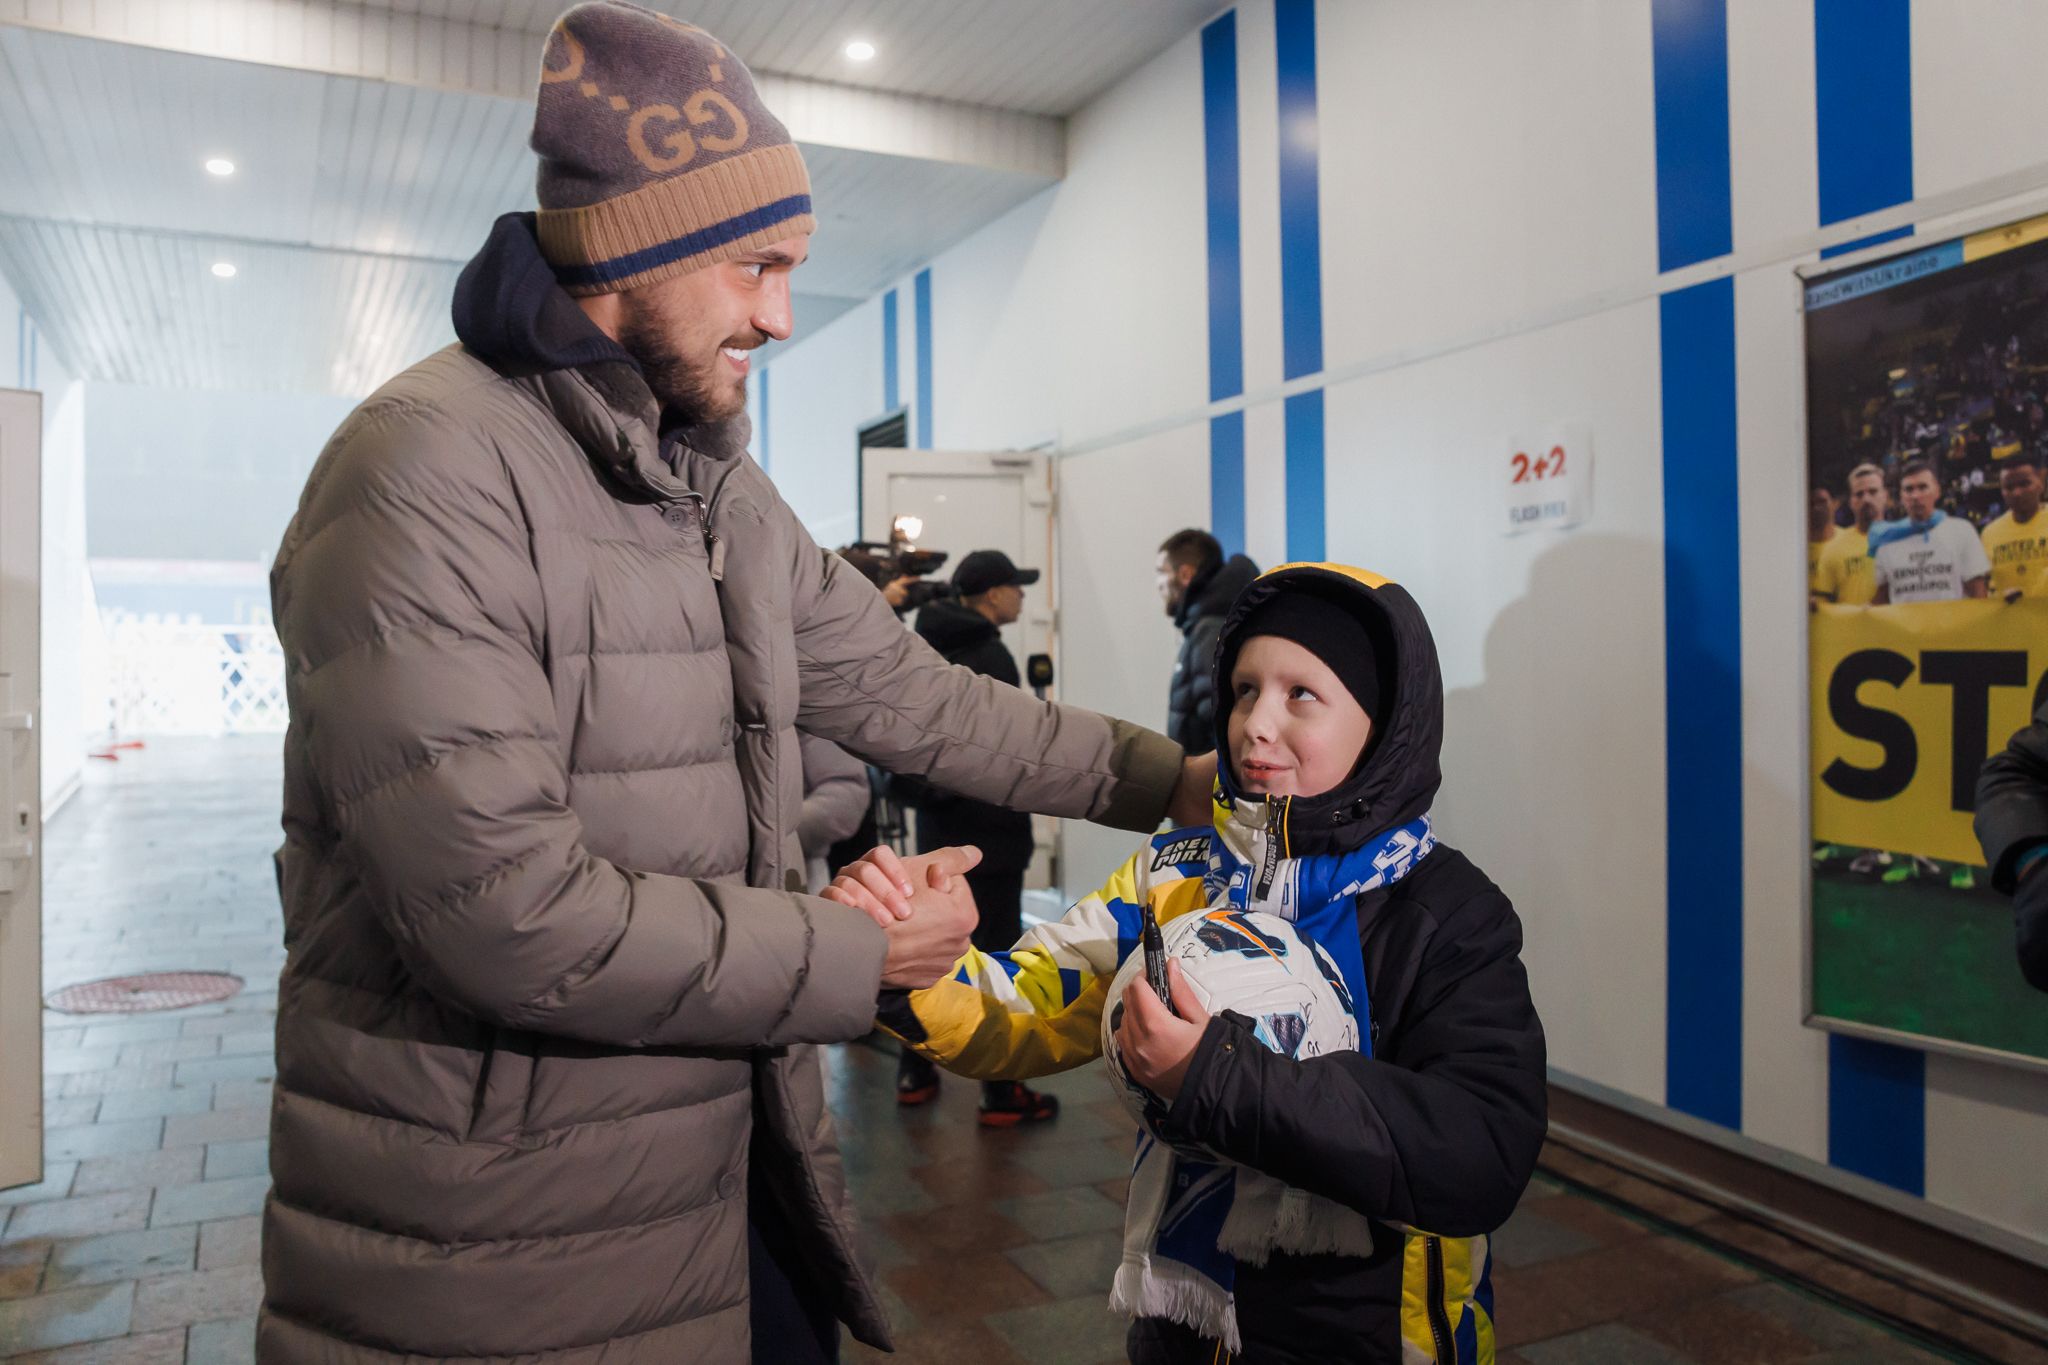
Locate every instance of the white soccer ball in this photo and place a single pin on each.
(1259, 965)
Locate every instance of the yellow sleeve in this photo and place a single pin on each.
(1037, 1008)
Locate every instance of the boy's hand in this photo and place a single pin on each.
(1155, 1045)
(885, 885)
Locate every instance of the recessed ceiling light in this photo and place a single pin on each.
(223, 270)
(219, 165)
(860, 50)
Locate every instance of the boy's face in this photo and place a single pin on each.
(1294, 728)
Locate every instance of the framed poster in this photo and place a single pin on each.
(1927, 577)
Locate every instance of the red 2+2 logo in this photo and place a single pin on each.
(1543, 467)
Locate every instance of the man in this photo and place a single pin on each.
(1929, 556)
(2012, 824)
(1847, 577)
(969, 632)
(2016, 542)
(1820, 529)
(545, 1081)
(1845, 574)
(1197, 585)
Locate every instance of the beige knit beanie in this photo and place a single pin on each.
(657, 156)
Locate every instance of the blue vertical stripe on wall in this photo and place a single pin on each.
(1301, 273)
(1305, 519)
(1877, 1111)
(21, 348)
(1226, 279)
(1863, 88)
(1702, 578)
(1689, 60)
(923, 304)
(1703, 712)
(1226, 481)
(1863, 115)
(891, 392)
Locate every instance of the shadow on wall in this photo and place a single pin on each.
(1554, 781)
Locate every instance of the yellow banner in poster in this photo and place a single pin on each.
(1908, 701)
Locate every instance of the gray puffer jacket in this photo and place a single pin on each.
(552, 985)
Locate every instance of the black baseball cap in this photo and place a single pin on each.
(986, 569)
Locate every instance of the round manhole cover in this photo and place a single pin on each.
(150, 991)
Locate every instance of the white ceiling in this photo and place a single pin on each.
(354, 204)
(1033, 56)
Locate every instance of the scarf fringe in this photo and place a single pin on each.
(1146, 1288)
(1266, 1217)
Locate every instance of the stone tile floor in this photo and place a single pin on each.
(998, 1247)
(140, 1245)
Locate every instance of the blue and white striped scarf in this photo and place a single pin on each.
(1190, 1221)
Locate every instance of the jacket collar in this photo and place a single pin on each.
(1212, 590)
(511, 314)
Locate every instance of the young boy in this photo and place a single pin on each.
(1328, 731)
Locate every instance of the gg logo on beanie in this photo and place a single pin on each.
(657, 156)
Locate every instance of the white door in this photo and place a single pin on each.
(970, 500)
(21, 819)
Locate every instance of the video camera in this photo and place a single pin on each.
(884, 562)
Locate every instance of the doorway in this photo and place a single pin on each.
(21, 806)
(979, 500)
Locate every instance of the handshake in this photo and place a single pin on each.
(923, 904)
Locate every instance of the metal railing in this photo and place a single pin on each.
(184, 678)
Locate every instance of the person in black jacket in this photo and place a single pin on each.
(1426, 1136)
(1197, 584)
(968, 631)
(2012, 824)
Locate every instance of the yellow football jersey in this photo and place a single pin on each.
(1844, 573)
(2018, 555)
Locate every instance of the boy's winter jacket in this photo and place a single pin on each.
(1432, 1131)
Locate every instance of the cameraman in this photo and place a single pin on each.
(968, 632)
(884, 572)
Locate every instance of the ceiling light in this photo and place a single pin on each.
(860, 50)
(223, 270)
(219, 165)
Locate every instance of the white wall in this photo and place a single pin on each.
(27, 362)
(1490, 267)
(178, 475)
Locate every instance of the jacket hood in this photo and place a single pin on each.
(511, 314)
(1399, 779)
(1213, 590)
(951, 626)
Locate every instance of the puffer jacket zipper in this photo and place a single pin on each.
(1439, 1321)
(714, 548)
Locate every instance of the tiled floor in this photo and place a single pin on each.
(999, 1246)
(140, 1247)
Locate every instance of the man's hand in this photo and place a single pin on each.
(1155, 1045)
(886, 886)
(896, 592)
(924, 947)
(1191, 801)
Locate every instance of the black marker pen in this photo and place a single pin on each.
(1155, 958)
